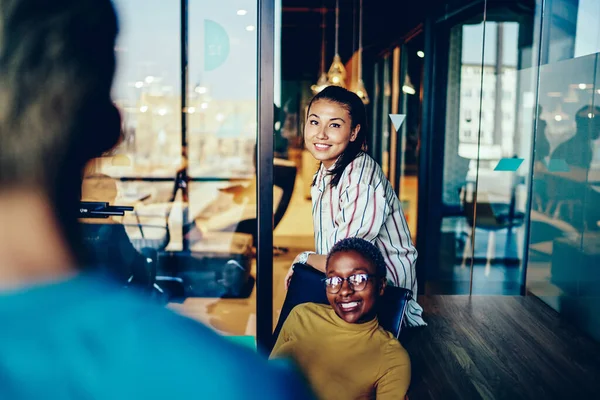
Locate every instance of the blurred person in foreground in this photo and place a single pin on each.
(66, 332)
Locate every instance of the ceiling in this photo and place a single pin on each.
(384, 22)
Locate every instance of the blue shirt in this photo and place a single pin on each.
(86, 339)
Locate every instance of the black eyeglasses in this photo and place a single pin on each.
(357, 282)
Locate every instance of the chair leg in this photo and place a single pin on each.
(508, 242)
(571, 207)
(519, 240)
(549, 206)
(537, 202)
(557, 210)
(466, 250)
(491, 250)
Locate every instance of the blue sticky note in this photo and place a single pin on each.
(216, 45)
(509, 164)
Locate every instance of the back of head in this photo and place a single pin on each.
(57, 64)
(587, 120)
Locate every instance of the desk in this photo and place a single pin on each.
(575, 174)
(577, 190)
(575, 262)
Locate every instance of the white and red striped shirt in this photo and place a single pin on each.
(364, 205)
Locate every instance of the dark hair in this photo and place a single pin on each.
(365, 249)
(586, 120)
(57, 63)
(358, 116)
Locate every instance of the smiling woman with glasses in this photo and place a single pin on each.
(320, 338)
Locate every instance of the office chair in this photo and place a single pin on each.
(107, 244)
(203, 267)
(491, 217)
(306, 286)
(109, 248)
(150, 239)
(284, 177)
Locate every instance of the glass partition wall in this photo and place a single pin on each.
(509, 154)
(478, 135)
(197, 139)
(494, 159)
(564, 237)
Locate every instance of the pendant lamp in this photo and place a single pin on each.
(337, 73)
(360, 85)
(322, 82)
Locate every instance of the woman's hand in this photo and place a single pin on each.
(308, 258)
(288, 276)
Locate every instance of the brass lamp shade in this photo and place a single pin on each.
(337, 72)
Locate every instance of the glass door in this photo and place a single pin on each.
(408, 133)
(187, 87)
(564, 235)
(480, 137)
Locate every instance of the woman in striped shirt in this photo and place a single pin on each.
(350, 194)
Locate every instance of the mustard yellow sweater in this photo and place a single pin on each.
(341, 360)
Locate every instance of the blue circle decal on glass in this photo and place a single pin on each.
(216, 45)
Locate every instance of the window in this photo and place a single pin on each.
(174, 173)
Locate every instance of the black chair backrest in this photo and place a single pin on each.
(486, 217)
(108, 246)
(284, 176)
(307, 286)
